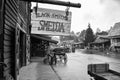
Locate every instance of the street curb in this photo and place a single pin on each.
(56, 72)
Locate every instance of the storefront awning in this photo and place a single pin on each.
(44, 38)
(100, 42)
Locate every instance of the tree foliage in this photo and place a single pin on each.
(81, 37)
(102, 33)
(98, 30)
(89, 36)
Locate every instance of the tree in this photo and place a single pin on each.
(82, 35)
(98, 30)
(89, 36)
(102, 33)
(78, 33)
(76, 38)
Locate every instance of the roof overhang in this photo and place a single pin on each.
(44, 38)
(51, 33)
(101, 42)
(79, 43)
(116, 36)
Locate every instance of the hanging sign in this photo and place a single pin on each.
(50, 22)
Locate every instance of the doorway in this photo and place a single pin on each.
(13, 56)
(22, 53)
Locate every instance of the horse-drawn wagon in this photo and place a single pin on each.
(59, 53)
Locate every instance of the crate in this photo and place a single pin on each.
(102, 72)
(98, 68)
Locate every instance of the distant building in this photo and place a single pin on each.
(102, 42)
(79, 45)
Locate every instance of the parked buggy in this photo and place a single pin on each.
(59, 55)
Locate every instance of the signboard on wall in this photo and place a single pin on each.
(50, 22)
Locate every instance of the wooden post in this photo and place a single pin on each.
(2, 6)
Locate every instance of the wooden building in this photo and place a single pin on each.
(79, 45)
(102, 42)
(14, 36)
(114, 35)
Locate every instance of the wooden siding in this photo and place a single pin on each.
(10, 20)
(23, 10)
(13, 12)
(1, 27)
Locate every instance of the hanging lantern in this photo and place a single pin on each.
(67, 12)
(36, 8)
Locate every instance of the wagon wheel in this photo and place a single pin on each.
(53, 60)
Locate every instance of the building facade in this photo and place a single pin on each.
(114, 36)
(14, 36)
(102, 42)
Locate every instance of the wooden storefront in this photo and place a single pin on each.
(14, 35)
(15, 18)
(40, 44)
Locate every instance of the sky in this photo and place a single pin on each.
(101, 14)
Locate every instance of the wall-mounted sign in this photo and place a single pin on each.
(50, 22)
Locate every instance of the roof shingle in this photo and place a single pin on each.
(115, 31)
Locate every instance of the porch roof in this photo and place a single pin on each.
(101, 39)
(44, 38)
(99, 42)
(79, 43)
